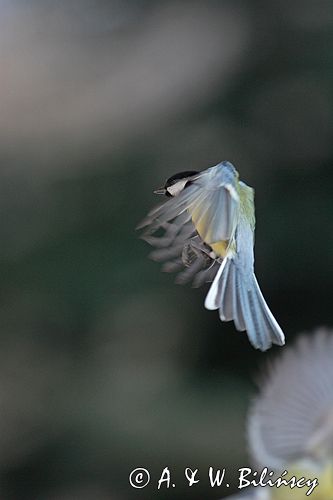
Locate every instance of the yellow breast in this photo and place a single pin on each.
(220, 248)
(200, 224)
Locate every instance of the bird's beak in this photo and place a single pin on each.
(161, 190)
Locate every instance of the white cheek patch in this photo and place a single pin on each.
(177, 187)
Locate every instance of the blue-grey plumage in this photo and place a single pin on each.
(292, 417)
(209, 226)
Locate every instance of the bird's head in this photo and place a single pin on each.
(176, 183)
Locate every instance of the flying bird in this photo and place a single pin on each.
(290, 422)
(205, 231)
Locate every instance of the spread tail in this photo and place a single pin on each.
(238, 297)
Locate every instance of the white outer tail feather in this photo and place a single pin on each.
(238, 297)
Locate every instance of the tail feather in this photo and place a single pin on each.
(260, 334)
(238, 298)
(228, 294)
(252, 319)
(238, 311)
(213, 298)
(269, 318)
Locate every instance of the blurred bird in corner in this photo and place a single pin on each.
(290, 424)
(207, 227)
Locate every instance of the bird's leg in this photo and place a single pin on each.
(196, 249)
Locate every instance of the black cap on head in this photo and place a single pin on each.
(187, 174)
(180, 175)
(174, 179)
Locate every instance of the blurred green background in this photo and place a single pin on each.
(105, 364)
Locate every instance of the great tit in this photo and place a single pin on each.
(205, 229)
(290, 423)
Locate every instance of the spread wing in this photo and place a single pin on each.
(215, 211)
(182, 251)
(182, 228)
(292, 418)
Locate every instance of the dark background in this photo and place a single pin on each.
(105, 364)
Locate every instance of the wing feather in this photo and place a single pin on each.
(208, 208)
